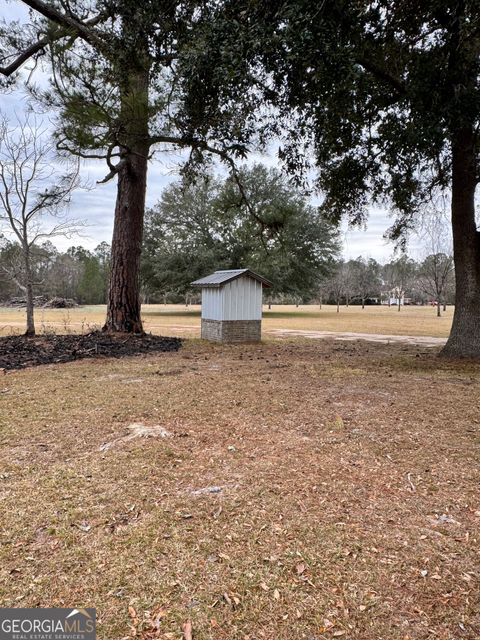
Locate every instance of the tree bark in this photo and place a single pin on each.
(464, 339)
(29, 294)
(123, 303)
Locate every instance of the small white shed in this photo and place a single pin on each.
(232, 305)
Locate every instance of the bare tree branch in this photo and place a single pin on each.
(84, 30)
(70, 25)
(32, 190)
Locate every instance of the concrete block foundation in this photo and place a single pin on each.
(232, 330)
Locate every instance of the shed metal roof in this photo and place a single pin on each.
(219, 278)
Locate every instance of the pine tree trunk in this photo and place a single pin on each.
(464, 340)
(123, 304)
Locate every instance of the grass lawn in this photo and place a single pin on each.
(178, 320)
(308, 489)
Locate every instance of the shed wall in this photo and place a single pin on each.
(240, 299)
(212, 303)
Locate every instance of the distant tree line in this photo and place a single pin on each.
(399, 282)
(82, 275)
(263, 222)
(77, 273)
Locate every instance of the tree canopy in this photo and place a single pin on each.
(268, 227)
(387, 96)
(126, 80)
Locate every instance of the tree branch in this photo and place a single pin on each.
(36, 47)
(114, 170)
(382, 74)
(24, 56)
(83, 29)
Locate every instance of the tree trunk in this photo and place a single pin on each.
(399, 300)
(439, 314)
(123, 310)
(464, 339)
(123, 305)
(338, 306)
(29, 294)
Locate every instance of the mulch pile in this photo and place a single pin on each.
(43, 302)
(18, 352)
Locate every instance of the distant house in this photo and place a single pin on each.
(394, 298)
(232, 305)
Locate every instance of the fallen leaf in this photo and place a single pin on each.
(187, 630)
(276, 594)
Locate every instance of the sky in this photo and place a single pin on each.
(96, 204)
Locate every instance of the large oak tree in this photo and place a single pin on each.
(125, 79)
(207, 225)
(389, 93)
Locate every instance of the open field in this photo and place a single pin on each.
(307, 490)
(179, 321)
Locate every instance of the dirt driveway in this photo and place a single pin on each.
(424, 341)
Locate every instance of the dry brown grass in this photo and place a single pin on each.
(349, 505)
(178, 320)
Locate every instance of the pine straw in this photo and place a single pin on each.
(349, 503)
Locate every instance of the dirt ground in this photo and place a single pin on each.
(424, 341)
(299, 489)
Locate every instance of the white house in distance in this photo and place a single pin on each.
(232, 305)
